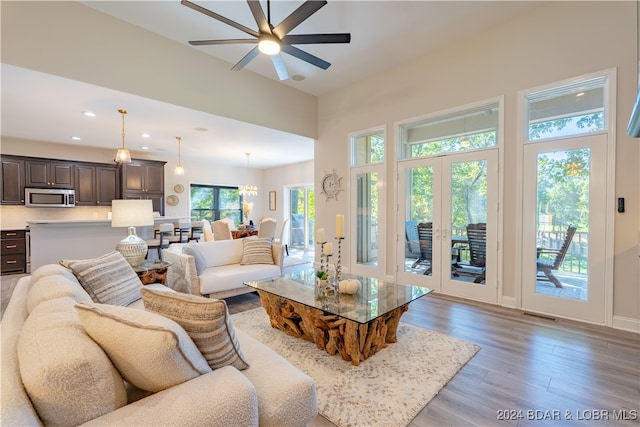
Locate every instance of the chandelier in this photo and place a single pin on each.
(247, 189)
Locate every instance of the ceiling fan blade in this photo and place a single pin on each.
(317, 38)
(258, 15)
(278, 64)
(305, 10)
(305, 56)
(219, 18)
(224, 41)
(246, 59)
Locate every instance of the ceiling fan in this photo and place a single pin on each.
(272, 40)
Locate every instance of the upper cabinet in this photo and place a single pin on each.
(144, 179)
(49, 173)
(96, 185)
(144, 176)
(12, 181)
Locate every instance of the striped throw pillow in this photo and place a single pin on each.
(108, 279)
(256, 251)
(205, 320)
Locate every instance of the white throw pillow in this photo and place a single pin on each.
(257, 251)
(108, 279)
(67, 376)
(150, 351)
(206, 321)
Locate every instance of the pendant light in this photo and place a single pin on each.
(248, 190)
(123, 155)
(179, 170)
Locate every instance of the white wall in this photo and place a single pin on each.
(553, 42)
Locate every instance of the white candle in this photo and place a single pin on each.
(339, 226)
(320, 235)
(327, 249)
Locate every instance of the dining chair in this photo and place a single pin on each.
(163, 237)
(282, 240)
(267, 228)
(221, 230)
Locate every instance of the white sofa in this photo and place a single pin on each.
(270, 392)
(221, 272)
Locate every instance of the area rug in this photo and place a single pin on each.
(298, 258)
(388, 389)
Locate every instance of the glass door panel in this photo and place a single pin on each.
(564, 210)
(301, 217)
(367, 219)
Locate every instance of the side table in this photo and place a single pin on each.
(152, 272)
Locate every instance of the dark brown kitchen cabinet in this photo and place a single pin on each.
(96, 185)
(107, 185)
(49, 173)
(144, 179)
(13, 259)
(85, 185)
(12, 181)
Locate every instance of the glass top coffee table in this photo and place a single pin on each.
(355, 326)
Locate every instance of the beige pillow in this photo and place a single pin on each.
(206, 321)
(256, 251)
(55, 286)
(108, 279)
(150, 351)
(67, 376)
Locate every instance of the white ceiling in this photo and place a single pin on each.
(42, 107)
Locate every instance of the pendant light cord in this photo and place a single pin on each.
(123, 112)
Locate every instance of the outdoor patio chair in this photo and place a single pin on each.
(412, 240)
(548, 265)
(477, 237)
(425, 240)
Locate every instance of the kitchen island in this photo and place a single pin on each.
(54, 240)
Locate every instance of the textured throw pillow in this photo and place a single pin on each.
(108, 279)
(257, 251)
(150, 351)
(68, 377)
(191, 249)
(206, 321)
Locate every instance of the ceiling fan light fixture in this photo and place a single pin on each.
(269, 45)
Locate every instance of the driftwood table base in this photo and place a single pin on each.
(334, 334)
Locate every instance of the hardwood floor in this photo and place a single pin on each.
(530, 370)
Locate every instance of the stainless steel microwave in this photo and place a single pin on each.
(49, 198)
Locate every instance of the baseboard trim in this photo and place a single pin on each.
(509, 302)
(626, 324)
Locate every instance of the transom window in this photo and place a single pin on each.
(460, 131)
(211, 202)
(367, 148)
(570, 109)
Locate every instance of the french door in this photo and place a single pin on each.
(565, 185)
(446, 197)
(301, 217)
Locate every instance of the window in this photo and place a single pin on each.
(367, 148)
(212, 202)
(450, 133)
(569, 109)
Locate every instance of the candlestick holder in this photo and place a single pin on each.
(322, 255)
(339, 261)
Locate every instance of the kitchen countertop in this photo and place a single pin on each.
(92, 220)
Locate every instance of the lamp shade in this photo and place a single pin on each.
(131, 213)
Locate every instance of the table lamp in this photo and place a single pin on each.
(132, 213)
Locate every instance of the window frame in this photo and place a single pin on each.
(215, 209)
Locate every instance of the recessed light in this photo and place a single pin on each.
(580, 94)
(144, 147)
(201, 129)
(89, 113)
(145, 135)
(297, 77)
(75, 138)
